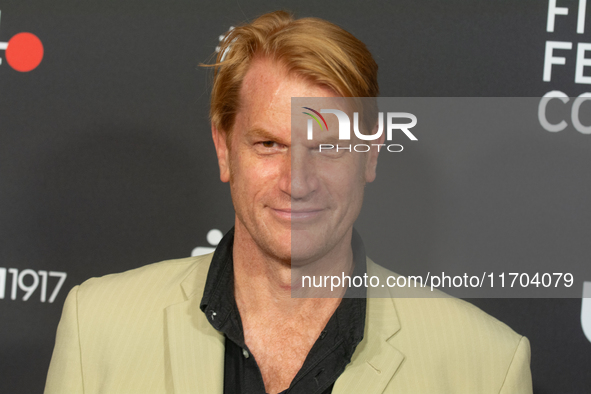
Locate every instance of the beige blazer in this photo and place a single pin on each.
(142, 331)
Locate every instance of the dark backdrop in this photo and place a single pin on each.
(106, 163)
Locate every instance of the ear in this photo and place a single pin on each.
(372, 159)
(222, 151)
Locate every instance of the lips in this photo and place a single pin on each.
(297, 214)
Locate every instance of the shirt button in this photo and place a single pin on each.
(245, 353)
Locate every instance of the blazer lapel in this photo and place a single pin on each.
(375, 361)
(196, 349)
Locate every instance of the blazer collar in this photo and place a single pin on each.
(376, 360)
(195, 348)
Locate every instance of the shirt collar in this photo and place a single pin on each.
(220, 308)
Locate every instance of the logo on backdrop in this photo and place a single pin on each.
(23, 52)
(345, 129)
(586, 310)
(27, 281)
(554, 57)
(214, 236)
(220, 39)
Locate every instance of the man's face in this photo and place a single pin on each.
(291, 203)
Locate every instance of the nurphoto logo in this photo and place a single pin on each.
(344, 130)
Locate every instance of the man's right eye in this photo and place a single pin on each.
(269, 147)
(268, 144)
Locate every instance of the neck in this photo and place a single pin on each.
(263, 283)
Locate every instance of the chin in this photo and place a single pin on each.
(291, 250)
(306, 247)
(279, 248)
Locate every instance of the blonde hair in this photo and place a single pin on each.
(315, 49)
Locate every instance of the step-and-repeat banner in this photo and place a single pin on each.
(107, 164)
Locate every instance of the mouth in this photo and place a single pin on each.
(297, 214)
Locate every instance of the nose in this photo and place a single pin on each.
(302, 174)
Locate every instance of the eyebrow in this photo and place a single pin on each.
(327, 140)
(265, 135)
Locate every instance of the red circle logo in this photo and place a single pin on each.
(24, 52)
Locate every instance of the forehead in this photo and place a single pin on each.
(266, 94)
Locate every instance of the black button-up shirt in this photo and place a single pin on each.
(329, 355)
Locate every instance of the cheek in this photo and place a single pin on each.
(346, 173)
(251, 175)
(345, 183)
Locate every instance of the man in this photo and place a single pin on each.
(227, 322)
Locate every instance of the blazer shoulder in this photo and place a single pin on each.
(152, 281)
(453, 317)
(440, 335)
